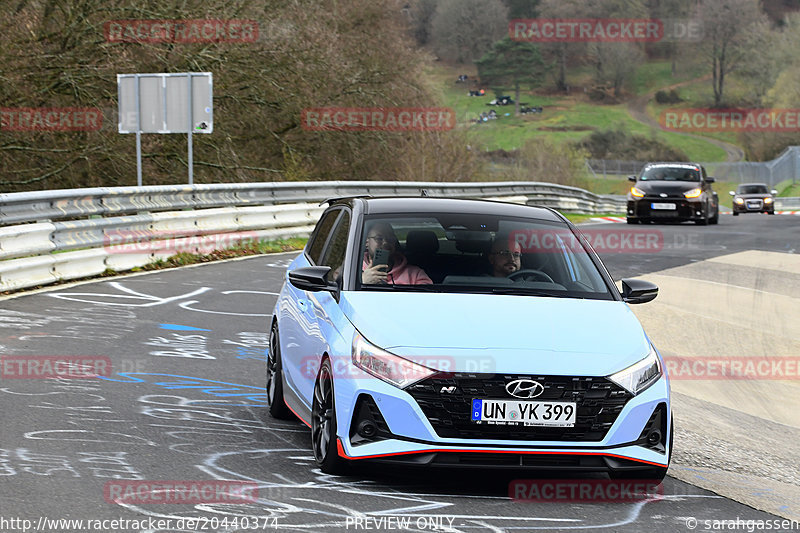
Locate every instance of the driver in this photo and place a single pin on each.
(505, 257)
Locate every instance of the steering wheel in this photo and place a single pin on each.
(533, 273)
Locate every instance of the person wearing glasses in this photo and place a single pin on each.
(505, 258)
(380, 235)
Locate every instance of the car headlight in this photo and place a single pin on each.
(386, 366)
(638, 193)
(694, 193)
(739, 201)
(641, 375)
(767, 200)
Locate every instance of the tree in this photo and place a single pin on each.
(522, 9)
(665, 10)
(511, 64)
(420, 14)
(463, 30)
(615, 63)
(54, 54)
(730, 29)
(562, 53)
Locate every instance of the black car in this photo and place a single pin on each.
(672, 192)
(753, 198)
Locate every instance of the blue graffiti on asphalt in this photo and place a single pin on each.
(252, 352)
(178, 327)
(250, 396)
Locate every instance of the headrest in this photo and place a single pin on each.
(421, 242)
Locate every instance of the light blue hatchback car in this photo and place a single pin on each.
(466, 333)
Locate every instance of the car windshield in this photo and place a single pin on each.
(752, 189)
(665, 173)
(470, 253)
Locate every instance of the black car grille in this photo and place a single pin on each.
(642, 208)
(599, 402)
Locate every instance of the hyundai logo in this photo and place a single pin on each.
(524, 388)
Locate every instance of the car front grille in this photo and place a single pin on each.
(684, 208)
(599, 402)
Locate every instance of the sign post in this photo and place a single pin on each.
(165, 103)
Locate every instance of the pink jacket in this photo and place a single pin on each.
(402, 273)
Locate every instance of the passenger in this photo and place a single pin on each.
(380, 235)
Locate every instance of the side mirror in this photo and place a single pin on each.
(732, 193)
(709, 179)
(313, 278)
(773, 192)
(632, 178)
(637, 291)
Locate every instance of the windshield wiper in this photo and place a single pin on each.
(398, 287)
(524, 291)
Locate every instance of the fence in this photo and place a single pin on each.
(85, 226)
(786, 167)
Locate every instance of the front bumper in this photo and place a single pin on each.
(754, 206)
(406, 435)
(642, 209)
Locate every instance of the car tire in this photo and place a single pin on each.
(631, 221)
(323, 423)
(736, 213)
(715, 218)
(274, 386)
(771, 212)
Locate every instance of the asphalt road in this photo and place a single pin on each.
(184, 401)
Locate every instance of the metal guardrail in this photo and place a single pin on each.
(67, 204)
(69, 234)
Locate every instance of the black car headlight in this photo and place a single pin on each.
(641, 375)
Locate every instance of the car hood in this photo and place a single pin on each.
(668, 187)
(756, 196)
(500, 333)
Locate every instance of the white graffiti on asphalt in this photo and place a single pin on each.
(188, 305)
(139, 299)
(133, 298)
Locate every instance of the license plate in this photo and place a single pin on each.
(525, 413)
(663, 206)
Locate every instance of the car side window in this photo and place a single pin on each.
(320, 235)
(333, 255)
